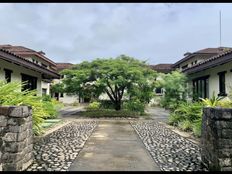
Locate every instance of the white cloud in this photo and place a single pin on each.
(161, 33)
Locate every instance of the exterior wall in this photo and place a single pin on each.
(46, 86)
(40, 61)
(16, 74)
(195, 58)
(16, 138)
(66, 99)
(69, 99)
(214, 78)
(216, 139)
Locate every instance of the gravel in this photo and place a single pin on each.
(170, 151)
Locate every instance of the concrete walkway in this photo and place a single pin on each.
(114, 146)
(158, 113)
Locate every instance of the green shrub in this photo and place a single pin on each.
(174, 119)
(225, 104)
(109, 113)
(11, 94)
(134, 106)
(93, 105)
(196, 127)
(187, 116)
(175, 85)
(213, 101)
(185, 125)
(46, 98)
(106, 104)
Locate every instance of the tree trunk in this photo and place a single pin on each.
(117, 105)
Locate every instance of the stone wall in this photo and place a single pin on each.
(216, 140)
(16, 138)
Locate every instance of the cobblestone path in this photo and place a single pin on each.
(57, 150)
(169, 150)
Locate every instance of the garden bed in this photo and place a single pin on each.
(98, 113)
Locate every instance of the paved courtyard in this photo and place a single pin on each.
(115, 145)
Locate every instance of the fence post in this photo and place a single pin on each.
(16, 138)
(216, 139)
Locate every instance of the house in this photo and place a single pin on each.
(63, 97)
(17, 68)
(36, 58)
(209, 71)
(161, 68)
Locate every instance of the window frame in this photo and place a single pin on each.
(31, 82)
(200, 87)
(222, 83)
(8, 73)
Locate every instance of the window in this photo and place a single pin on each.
(31, 82)
(222, 83)
(185, 66)
(201, 87)
(44, 91)
(45, 66)
(8, 75)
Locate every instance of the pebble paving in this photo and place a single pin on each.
(57, 150)
(170, 151)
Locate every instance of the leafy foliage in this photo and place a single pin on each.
(135, 106)
(109, 113)
(175, 85)
(51, 106)
(115, 77)
(58, 87)
(187, 116)
(94, 105)
(11, 94)
(212, 102)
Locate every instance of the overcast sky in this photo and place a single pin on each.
(156, 32)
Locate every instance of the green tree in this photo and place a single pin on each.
(115, 77)
(175, 86)
(58, 87)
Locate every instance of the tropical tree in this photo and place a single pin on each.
(115, 77)
(175, 86)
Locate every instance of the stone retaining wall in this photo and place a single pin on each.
(216, 139)
(16, 138)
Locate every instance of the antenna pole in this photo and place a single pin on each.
(220, 28)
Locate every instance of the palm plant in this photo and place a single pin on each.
(212, 102)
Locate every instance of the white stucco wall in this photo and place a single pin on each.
(196, 58)
(46, 85)
(214, 78)
(16, 74)
(69, 99)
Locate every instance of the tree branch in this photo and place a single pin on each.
(111, 90)
(108, 93)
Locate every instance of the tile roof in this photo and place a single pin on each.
(221, 58)
(206, 51)
(164, 68)
(26, 63)
(23, 51)
(62, 66)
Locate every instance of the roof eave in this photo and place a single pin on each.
(219, 61)
(8, 56)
